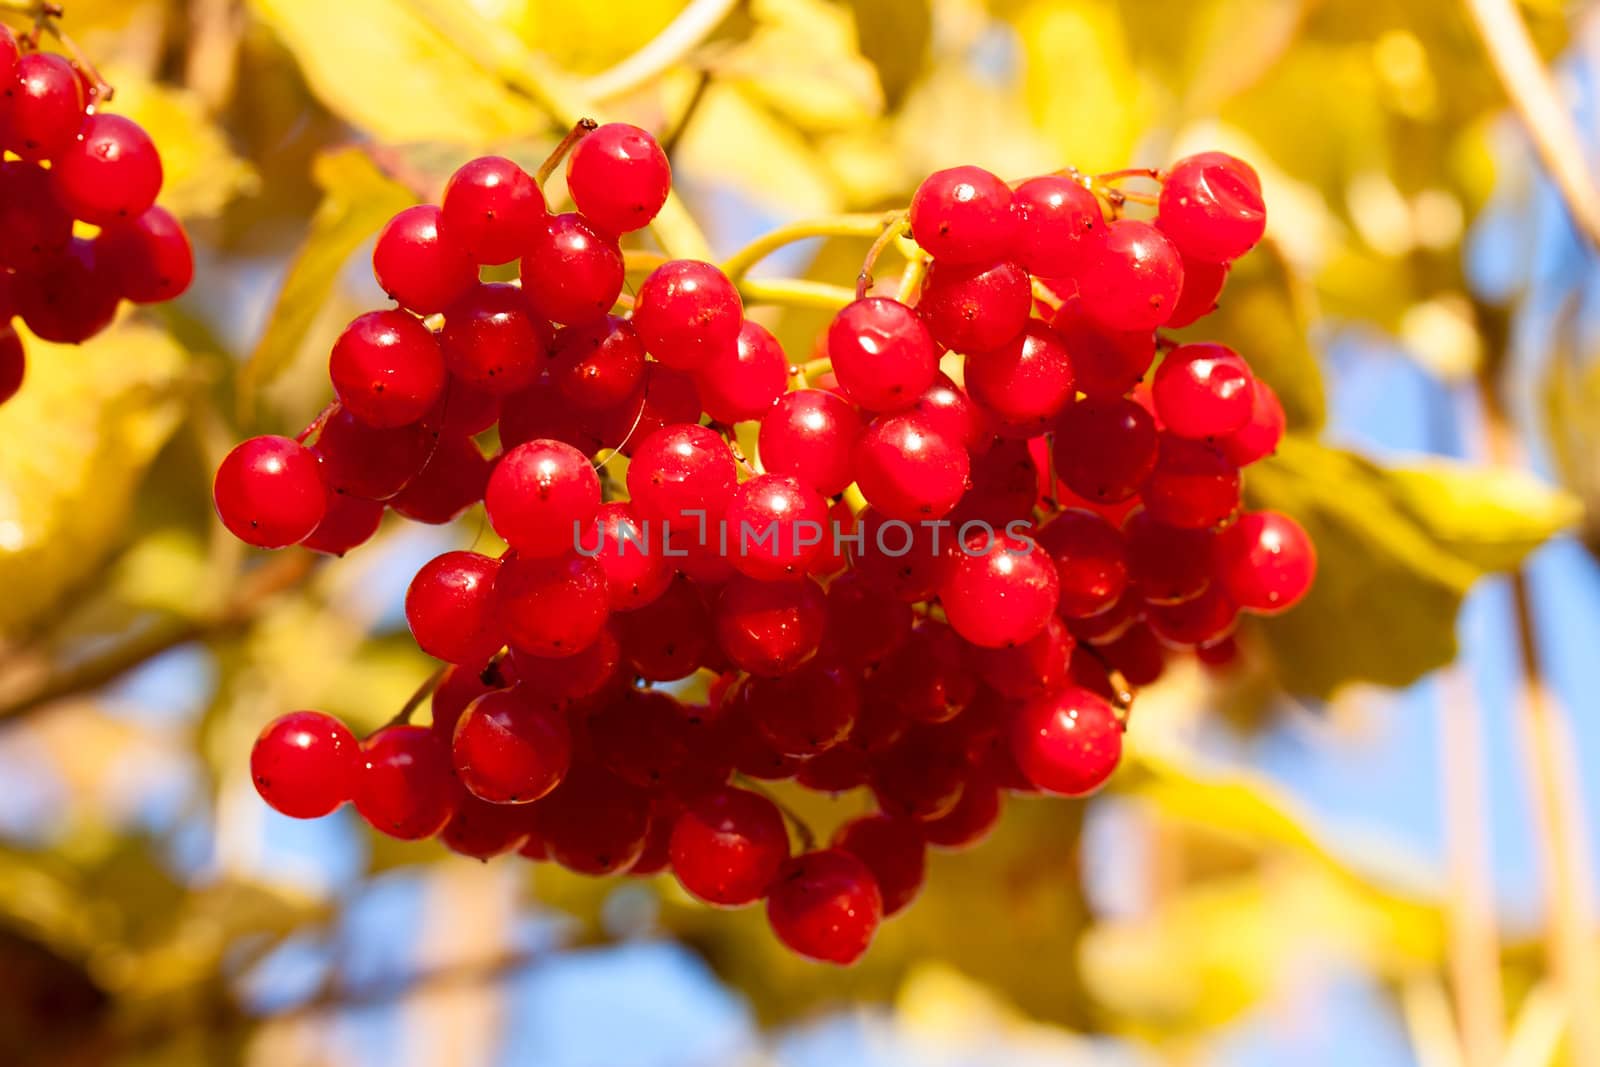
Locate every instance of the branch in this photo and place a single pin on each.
(794, 292)
(681, 36)
(1538, 102)
(863, 224)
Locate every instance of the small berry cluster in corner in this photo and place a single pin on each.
(1036, 538)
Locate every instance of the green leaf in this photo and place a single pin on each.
(1490, 516)
(357, 200)
(894, 35)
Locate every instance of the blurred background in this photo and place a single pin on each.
(1371, 841)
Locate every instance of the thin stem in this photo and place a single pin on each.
(802, 829)
(316, 424)
(105, 88)
(640, 261)
(738, 265)
(680, 37)
(795, 292)
(669, 143)
(1130, 172)
(893, 227)
(580, 129)
(414, 701)
(1121, 691)
(1538, 102)
(912, 277)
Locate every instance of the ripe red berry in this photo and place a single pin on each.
(571, 678)
(864, 624)
(482, 830)
(928, 678)
(598, 365)
(454, 478)
(825, 906)
(1211, 616)
(349, 522)
(368, 462)
(511, 749)
(572, 273)
(671, 636)
(687, 312)
(422, 268)
(1105, 449)
(964, 215)
(43, 106)
(1202, 285)
(1058, 223)
(1203, 391)
(770, 628)
(1135, 279)
(463, 410)
(1211, 207)
(776, 527)
(974, 308)
(804, 712)
(594, 823)
(33, 224)
(1033, 667)
(150, 256)
(491, 340)
(69, 295)
(906, 559)
(406, 788)
(1001, 590)
(742, 382)
(551, 607)
(493, 209)
(882, 353)
(386, 368)
(1168, 564)
(305, 764)
(1091, 562)
(1137, 654)
(681, 469)
(269, 492)
(909, 471)
(811, 435)
(1067, 742)
(636, 571)
(13, 363)
(728, 846)
(1191, 485)
(451, 611)
(951, 412)
(1025, 383)
(970, 821)
(1265, 562)
(541, 497)
(1258, 438)
(893, 850)
(619, 177)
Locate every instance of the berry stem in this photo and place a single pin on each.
(317, 423)
(414, 701)
(796, 292)
(106, 89)
(1130, 172)
(640, 261)
(1120, 688)
(665, 50)
(1046, 295)
(862, 224)
(893, 227)
(802, 829)
(912, 277)
(732, 438)
(580, 129)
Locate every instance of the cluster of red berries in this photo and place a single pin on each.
(965, 636)
(67, 163)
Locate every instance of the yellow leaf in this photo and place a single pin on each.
(585, 38)
(1083, 90)
(802, 63)
(1491, 516)
(895, 36)
(87, 422)
(740, 144)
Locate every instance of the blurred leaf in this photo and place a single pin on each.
(749, 150)
(1083, 90)
(202, 174)
(586, 38)
(1491, 516)
(357, 200)
(895, 35)
(93, 417)
(802, 63)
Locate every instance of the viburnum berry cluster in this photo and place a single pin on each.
(70, 168)
(1032, 529)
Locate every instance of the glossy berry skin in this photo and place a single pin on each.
(630, 554)
(598, 365)
(671, 636)
(1091, 562)
(1191, 486)
(1105, 449)
(975, 308)
(619, 177)
(741, 383)
(903, 558)
(482, 830)
(70, 295)
(453, 479)
(1025, 383)
(572, 273)
(1135, 280)
(727, 847)
(305, 764)
(493, 209)
(882, 353)
(33, 223)
(541, 497)
(451, 611)
(150, 257)
(908, 471)
(1203, 391)
(865, 624)
(964, 215)
(43, 106)
(386, 368)
(463, 410)
(1265, 562)
(571, 678)
(508, 749)
(770, 628)
(1211, 616)
(1168, 564)
(13, 363)
(368, 462)
(893, 850)
(970, 821)
(687, 312)
(679, 469)
(1211, 207)
(595, 824)
(406, 788)
(1033, 667)
(776, 528)
(1059, 222)
(811, 434)
(491, 340)
(928, 678)
(1202, 285)
(269, 492)
(826, 906)
(950, 411)
(801, 713)
(1067, 742)
(349, 522)
(551, 607)
(1105, 363)
(1258, 438)
(1002, 597)
(420, 266)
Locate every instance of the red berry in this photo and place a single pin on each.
(594, 823)
(1091, 562)
(619, 177)
(367, 462)
(551, 607)
(964, 215)
(1169, 564)
(776, 527)
(491, 340)
(269, 492)
(493, 209)
(882, 353)
(893, 850)
(348, 522)
(975, 308)
(13, 363)
(420, 266)
(1135, 279)
(636, 572)
(1202, 285)
(1028, 669)
(682, 469)
(1211, 616)
(34, 226)
(1105, 449)
(150, 256)
(406, 788)
(598, 365)
(908, 471)
(305, 764)
(928, 678)
(1211, 207)
(69, 295)
(825, 906)
(687, 312)
(386, 368)
(541, 497)
(728, 846)
(43, 107)
(463, 410)
(1001, 591)
(571, 678)
(1067, 742)
(811, 434)
(454, 478)
(802, 713)
(510, 749)
(671, 636)
(1025, 383)
(1258, 438)
(1137, 654)
(864, 624)
(451, 611)
(572, 272)
(1203, 391)
(742, 382)
(951, 412)
(459, 687)
(483, 830)
(1058, 222)
(907, 560)
(770, 628)
(1191, 485)
(970, 821)
(1265, 562)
